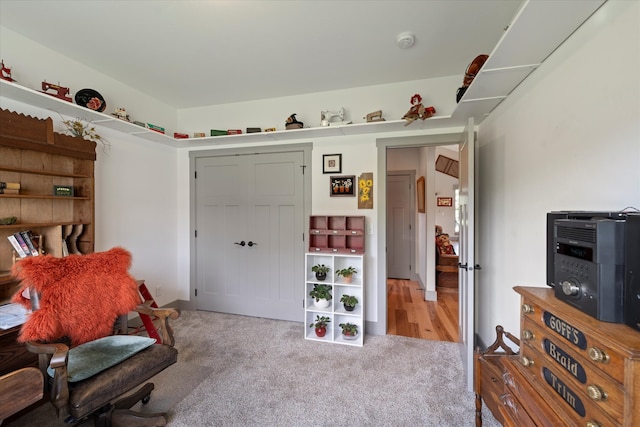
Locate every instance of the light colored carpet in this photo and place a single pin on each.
(246, 371)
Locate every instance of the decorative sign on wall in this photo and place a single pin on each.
(365, 191)
(445, 201)
(342, 185)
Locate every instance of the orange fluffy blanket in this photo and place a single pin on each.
(80, 295)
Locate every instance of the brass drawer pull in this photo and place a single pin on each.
(526, 361)
(596, 393)
(592, 423)
(527, 335)
(598, 355)
(526, 308)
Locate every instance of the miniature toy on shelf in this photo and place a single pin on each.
(121, 113)
(417, 110)
(376, 116)
(326, 118)
(6, 73)
(293, 123)
(61, 91)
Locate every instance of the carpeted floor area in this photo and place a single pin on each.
(246, 371)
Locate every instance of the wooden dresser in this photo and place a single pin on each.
(572, 369)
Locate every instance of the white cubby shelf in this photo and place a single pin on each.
(335, 311)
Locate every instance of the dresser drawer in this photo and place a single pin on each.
(515, 414)
(599, 354)
(574, 371)
(557, 386)
(491, 383)
(535, 405)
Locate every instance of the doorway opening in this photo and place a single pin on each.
(416, 307)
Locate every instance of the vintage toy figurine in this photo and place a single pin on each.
(6, 73)
(417, 110)
(376, 116)
(61, 91)
(326, 118)
(121, 113)
(293, 123)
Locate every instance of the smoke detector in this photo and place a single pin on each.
(405, 40)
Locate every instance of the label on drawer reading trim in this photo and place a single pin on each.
(564, 391)
(565, 330)
(567, 362)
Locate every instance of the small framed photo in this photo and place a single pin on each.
(332, 163)
(445, 201)
(342, 186)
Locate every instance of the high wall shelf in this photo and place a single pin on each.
(522, 48)
(335, 311)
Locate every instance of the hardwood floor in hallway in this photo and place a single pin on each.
(409, 315)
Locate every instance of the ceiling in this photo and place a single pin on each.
(195, 53)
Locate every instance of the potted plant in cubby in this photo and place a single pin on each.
(321, 271)
(321, 294)
(320, 325)
(347, 273)
(349, 331)
(349, 302)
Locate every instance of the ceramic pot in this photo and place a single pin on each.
(349, 308)
(320, 332)
(350, 337)
(321, 303)
(321, 277)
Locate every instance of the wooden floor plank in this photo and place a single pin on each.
(408, 314)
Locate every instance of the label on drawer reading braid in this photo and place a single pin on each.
(567, 362)
(565, 330)
(564, 391)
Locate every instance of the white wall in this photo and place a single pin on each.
(567, 138)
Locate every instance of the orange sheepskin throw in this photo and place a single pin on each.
(80, 295)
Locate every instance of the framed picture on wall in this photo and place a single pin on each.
(342, 185)
(332, 163)
(420, 194)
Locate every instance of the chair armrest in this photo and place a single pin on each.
(54, 355)
(163, 315)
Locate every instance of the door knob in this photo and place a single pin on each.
(252, 243)
(241, 243)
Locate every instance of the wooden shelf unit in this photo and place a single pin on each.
(336, 234)
(38, 158)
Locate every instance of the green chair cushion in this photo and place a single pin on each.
(93, 357)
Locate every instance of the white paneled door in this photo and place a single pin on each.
(249, 234)
(400, 228)
(466, 305)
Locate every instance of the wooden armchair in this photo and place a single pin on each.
(90, 370)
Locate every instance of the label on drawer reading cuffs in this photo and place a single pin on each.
(564, 391)
(567, 362)
(565, 330)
